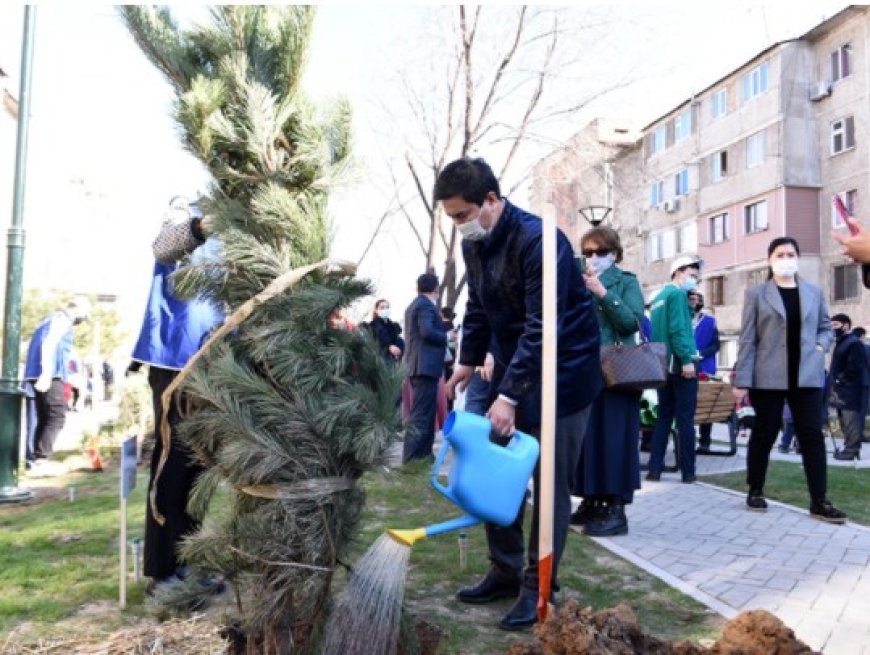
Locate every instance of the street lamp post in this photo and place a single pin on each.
(10, 393)
(595, 215)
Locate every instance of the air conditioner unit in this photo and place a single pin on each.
(820, 90)
(671, 206)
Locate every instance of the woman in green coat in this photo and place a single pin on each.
(609, 469)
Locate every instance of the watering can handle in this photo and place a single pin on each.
(436, 467)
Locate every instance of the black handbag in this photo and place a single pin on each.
(634, 367)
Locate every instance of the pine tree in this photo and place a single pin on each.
(288, 413)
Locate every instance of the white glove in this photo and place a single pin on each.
(42, 384)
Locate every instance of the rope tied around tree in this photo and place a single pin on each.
(278, 286)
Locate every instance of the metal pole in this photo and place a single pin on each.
(10, 393)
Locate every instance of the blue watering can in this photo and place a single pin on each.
(487, 480)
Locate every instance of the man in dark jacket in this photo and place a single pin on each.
(503, 258)
(424, 358)
(850, 378)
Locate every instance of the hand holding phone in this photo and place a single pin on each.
(844, 214)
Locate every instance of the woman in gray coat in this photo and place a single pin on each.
(784, 335)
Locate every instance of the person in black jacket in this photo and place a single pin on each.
(424, 359)
(503, 258)
(386, 332)
(850, 377)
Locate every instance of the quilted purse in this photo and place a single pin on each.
(634, 367)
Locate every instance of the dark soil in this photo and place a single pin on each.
(575, 630)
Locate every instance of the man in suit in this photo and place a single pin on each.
(426, 344)
(850, 377)
(501, 246)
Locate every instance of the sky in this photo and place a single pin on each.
(104, 156)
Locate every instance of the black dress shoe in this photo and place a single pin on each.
(846, 456)
(491, 588)
(653, 477)
(523, 614)
(612, 524)
(690, 479)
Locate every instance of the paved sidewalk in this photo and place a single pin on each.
(701, 539)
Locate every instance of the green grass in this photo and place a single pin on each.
(402, 498)
(57, 555)
(848, 487)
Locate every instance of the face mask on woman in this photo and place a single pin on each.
(384, 313)
(785, 267)
(600, 264)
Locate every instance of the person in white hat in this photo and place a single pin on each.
(672, 324)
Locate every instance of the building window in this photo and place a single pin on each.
(842, 135)
(720, 165)
(681, 183)
(841, 62)
(720, 103)
(657, 193)
(658, 140)
(755, 82)
(716, 291)
(656, 247)
(755, 217)
(719, 228)
(756, 277)
(687, 238)
(849, 199)
(845, 282)
(683, 125)
(754, 149)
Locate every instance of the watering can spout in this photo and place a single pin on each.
(410, 537)
(407, 537)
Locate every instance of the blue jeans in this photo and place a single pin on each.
(677, 401)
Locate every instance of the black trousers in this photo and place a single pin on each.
(806, 410)
(506, 545)
(420, 435)
(173, 488)
(50, 417)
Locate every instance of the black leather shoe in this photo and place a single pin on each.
(653, 477)
(846, 456)
(702, 450)
(491, 588)
(755, 502)
(523, 614)
(612, 524)
(589, 510)
(824, 511)
(690, 479)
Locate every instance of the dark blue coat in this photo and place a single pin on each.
(386, 333)
(849, 372)
(505, 278)
(427, 340)
(707, 341)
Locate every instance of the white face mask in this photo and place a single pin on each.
(473, 230)
(600, 264)
(384, 312)
(785, 267)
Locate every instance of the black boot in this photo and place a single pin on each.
(523, 613)
(590, 508)
(611, 524)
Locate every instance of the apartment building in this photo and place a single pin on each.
(757, 154)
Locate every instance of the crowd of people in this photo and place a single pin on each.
(494, 359)
(780, 381)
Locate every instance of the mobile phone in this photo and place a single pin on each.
(844, 213)
(581, 264)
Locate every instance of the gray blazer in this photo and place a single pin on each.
(762, 362)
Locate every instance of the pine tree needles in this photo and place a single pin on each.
(285, 413)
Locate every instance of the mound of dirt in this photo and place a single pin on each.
(576, 630)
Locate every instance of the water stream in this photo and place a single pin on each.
(366, 617)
